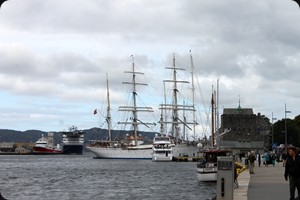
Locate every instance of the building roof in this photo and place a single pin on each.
(238, 111)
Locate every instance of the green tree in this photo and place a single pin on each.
(293, 131)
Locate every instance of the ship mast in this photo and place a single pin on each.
(165, 110)
(134, 109)
(174, 106)
(193, 93)
(212, 120)
(108, 117)
(217, 112)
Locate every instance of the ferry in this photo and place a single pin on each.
(73, 141)
(162, 148)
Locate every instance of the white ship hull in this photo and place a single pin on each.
(207, 174)
(185, 150)
(140, 152)
(207, 167)
(162, 157)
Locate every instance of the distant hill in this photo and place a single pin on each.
(90, 134)
(20, 136)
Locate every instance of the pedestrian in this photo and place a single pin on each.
(252, 159)
(273, 158)
(292, 171)
(267, 158)
(284, 157)
(259, 159)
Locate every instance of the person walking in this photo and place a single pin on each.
(259, 159)
(267, 159)
(284, 157)
(252, 159)
(292, 171)
(273, 158)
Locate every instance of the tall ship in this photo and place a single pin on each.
(45, 145)
(73, 141)
(176, 122)
(132, 146)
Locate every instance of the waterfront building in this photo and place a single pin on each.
(23, 147)
(243, 130)
(16, 148)
(23, 150)
(7, 147)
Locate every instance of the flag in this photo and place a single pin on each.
(95, 111)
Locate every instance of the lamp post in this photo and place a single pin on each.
(285, 127)
(273, 118)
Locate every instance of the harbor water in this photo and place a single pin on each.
(79, 177)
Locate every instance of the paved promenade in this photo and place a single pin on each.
(241, 192)
(267, 183)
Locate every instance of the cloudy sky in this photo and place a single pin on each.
(55, 54)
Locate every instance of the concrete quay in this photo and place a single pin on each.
(267, 183)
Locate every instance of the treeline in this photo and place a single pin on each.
(293, 131)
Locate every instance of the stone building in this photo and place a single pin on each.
(243, 130)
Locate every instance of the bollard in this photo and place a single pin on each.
(225, 178)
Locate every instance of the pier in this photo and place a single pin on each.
(267, 183)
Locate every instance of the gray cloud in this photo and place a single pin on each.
(62, 51)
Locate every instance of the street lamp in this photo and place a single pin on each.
(273, 118)
(285, 127)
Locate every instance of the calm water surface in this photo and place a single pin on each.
(72, 177)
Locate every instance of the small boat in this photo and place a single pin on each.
(162, 148)
(207, 166)
(45, 146)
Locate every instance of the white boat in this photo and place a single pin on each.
(207, 166)
(162, 148)
(132, 146)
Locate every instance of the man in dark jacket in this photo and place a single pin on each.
(292, 171)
